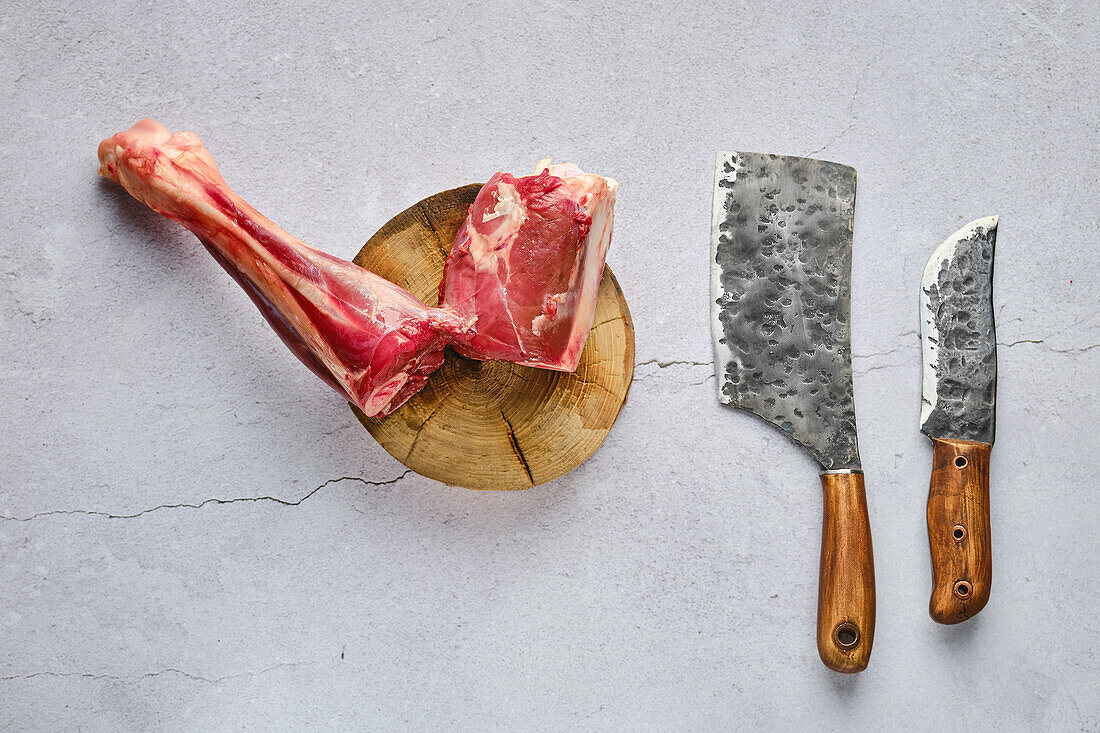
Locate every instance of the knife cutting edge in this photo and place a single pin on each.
(958, 401)
(781, 252)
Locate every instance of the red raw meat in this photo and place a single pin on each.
(528, 261)
(368, 339)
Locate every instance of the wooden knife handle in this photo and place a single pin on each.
(958, 530)
(846, 589)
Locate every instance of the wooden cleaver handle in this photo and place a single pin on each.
(846, 589)
(958, 529)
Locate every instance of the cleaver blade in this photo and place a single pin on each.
(781, 253)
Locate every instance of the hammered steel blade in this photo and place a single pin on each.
(781, 248)
(958, 339)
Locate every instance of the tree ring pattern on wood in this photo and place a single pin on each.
(494, 424)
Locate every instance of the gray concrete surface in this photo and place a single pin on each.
(197, 534)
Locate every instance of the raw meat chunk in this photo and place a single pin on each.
(368, 339)
(527, 263)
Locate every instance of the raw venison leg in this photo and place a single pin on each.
(527, 263)
(368, 339)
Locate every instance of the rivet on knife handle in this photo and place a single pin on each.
(958, 530)
(846, 589)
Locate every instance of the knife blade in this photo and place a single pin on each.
(958, 401)
(781, 252)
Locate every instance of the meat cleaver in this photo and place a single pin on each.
(959, 347)
(781, 254)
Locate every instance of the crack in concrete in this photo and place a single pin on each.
(665, 364)
(851, 103)
(874, 368)
(169, 670)
(1074, 350)
(901, 335)
(834, 139)
(275, 499)
(61, 674)
(881, 353)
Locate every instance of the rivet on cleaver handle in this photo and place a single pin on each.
(958, 401)
(846, 587)
(781, 260)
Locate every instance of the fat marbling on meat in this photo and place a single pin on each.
(527, 263)
(368, 339)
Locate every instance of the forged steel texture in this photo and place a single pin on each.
(958, 337)
(781, 241)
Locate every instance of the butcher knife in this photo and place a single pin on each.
(959, 348)
(781, 254)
